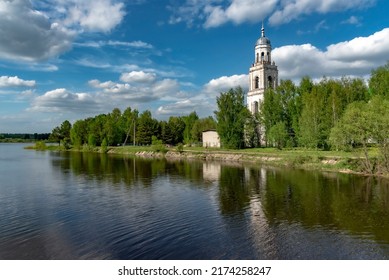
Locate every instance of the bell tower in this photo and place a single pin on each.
(263, 73)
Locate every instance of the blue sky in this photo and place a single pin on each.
(70, 59)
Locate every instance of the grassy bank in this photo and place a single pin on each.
(335, 161)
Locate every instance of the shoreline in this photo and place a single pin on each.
(275, 159)
(314, 160)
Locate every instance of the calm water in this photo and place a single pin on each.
(88, 206)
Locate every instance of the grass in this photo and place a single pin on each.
(337, 161)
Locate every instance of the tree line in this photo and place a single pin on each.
(345, 113)
(23, 137)
(131, 127)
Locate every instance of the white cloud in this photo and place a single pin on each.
(146, 88)
(353, 20)
(184, 107)
(98, 44)
(213, 13)
(62, 100)
(204, 102)
(221, 84)
(356, 57)
(238, 11)
(291, 10)
(138, 77)
(6, 81)
(29, 35)
(133, 44)
(93, 15)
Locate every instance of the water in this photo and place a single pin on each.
(89, 206)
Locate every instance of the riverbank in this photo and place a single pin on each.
(344, 162)
(332, 161)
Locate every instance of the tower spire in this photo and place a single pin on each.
(263, 30)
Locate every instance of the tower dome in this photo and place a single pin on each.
(263, 40)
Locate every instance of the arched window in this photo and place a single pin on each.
(262, 56)
(270, 82)
(256, 107)
(256, 85)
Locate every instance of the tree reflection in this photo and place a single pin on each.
(349, 203)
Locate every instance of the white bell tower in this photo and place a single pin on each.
(263, 73)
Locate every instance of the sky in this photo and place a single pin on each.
(73, 59)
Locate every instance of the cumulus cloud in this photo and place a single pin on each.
(138, 77)
(238, 11)
(138, 86)
(355, 57)
(221, 84)
(27, 34)
(6, 81)
(183, 107)
(204, 102)
(62, 100)
(291, 10)
(213, 13)
(93, 15)
(46, 30)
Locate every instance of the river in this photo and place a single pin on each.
(90, 206)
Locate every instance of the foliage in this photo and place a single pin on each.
(363, 124)
(278, 135)
(104, 146)
(379, 81)
(231, 117)
(40, 146)
(157, 145)
(180, 148)
(189, 121)
(201, 125)
(146, 128)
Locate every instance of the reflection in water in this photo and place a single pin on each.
(91, 206)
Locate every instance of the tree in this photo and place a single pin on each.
(61, 133)
(79, 133)
(66, 126)
(147, 127)
(201, 125)
(177, 128)
(231, 118)
(189, 120)
(112, 127)
(379, 81)
(362, 124)
(129, 121)
(278, 135)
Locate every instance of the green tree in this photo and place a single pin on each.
(177, 128)
(313, 123)
(271, 109)
(146, 128)
(189, 120)
(104, 146)
(379, 81)
(278, 135)
(112, 128)
(79, 133)
(61, 133)
(363, 124)
(231, 118)
(201, 125)
(129, 121)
